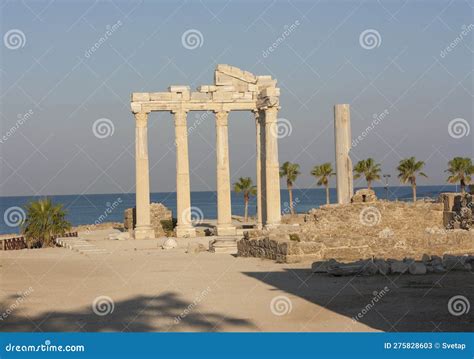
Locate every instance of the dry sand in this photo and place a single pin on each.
(157, 290)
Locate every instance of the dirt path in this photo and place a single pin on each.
(155, 290)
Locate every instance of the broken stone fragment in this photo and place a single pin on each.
(169, 243)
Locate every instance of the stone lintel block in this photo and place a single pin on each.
(201, 96)
(243, 95)
(253, 88)
(225, 88)
(180, 96)
(237, 73)
(140, 96)
(222, 79)
(270, 91)
(161, 96)
(222, 96)
(207, 88)
(179, 88)
(136, 107)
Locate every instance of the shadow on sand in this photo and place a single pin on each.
(166, 312)
(408, 303)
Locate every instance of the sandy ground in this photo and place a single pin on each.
(156, 290)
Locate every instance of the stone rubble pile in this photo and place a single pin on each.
(428, 264)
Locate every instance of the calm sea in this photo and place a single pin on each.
(87, 208)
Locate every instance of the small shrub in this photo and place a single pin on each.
(168, 226)
(295, 237)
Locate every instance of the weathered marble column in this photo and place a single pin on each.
(258, 134)
(143, 227)
(272, 168)
(184, 226)
(224, 206)
(342, 133)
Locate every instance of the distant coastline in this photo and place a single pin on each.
(86, 208)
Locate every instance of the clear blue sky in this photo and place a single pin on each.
(320, 63)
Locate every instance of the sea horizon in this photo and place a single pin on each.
(83, 209)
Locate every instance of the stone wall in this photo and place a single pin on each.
(158, 213)
(361, 231)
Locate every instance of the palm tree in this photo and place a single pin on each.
(408, 168)
(44, 220)
(323, 173)
(291, 172)
(245, 186)
(369, 169)
(460, 170)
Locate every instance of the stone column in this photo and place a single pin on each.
(184, 226)
(259, 169)
(143, 228)
(224, 209)
(342, 133)
(272, 168)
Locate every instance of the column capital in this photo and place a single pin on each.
(141, 119)
(222, 117)
(180, 117)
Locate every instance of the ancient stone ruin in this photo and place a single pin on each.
(160, 217)
(458, 210)
(233, 90)
(364, 195)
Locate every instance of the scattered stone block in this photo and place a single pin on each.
(194, 248)
(399, 267)
(382, 266)
(417, 268)
(169, 243)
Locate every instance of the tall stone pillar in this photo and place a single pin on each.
(272, 168)
(259, 169)
(143, 227)
(342, 133)
(224, 209)
(184, 226)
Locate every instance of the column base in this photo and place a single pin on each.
(185, 232)
(269, 226)
(225, 230)
(144, 232)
